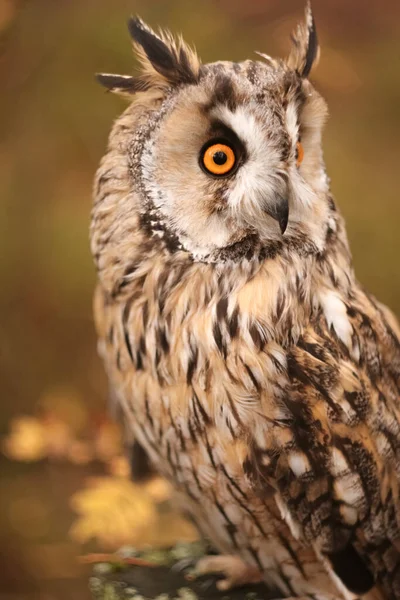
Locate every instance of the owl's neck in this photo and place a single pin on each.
(280, 288)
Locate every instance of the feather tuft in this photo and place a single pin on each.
(166, 60)
(305, 49)
(122, 84)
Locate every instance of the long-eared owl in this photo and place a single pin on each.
(257, 374)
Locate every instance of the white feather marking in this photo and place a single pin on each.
(336, 316)
(348, 489)
(349, 514)
(338, 463)
(332, 224)
(206, 475)
(299, 464)
(286, 516)
(292, 121)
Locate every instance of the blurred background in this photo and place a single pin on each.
(64, 482)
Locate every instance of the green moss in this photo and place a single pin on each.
(186, 593)
(96, 587)
(110, 593)
(102, 568)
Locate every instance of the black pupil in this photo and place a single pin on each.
(220, 157)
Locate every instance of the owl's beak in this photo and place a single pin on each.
(279, 211)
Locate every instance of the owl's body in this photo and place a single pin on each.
(260, 378)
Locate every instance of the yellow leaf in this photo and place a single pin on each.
(159, 489)
(26, 440)
(113, 511)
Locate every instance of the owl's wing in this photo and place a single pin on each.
(337, 479)
(140, 466)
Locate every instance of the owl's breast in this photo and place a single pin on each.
(190, 351)
(235, 393)
(192, 358)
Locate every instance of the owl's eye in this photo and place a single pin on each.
(299, 153)
(218, 158)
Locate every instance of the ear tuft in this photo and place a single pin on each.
(122, 84)
(305, 50)
(154, 48)
(167, 60)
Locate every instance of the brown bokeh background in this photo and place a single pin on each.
(54, 122)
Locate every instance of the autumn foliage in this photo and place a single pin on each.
(110, 509)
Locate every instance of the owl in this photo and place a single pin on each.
(256, 373)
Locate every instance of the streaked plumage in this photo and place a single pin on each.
(259, 376)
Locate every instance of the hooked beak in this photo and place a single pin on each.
(279, 211)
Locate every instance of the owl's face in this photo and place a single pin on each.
(226, 152)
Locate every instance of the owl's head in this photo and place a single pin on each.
(226, 157)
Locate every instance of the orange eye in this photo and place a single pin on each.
(219, 159)
(299, 153)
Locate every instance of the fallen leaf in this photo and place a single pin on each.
(159, 489)
(26, 440)
(113, 511)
